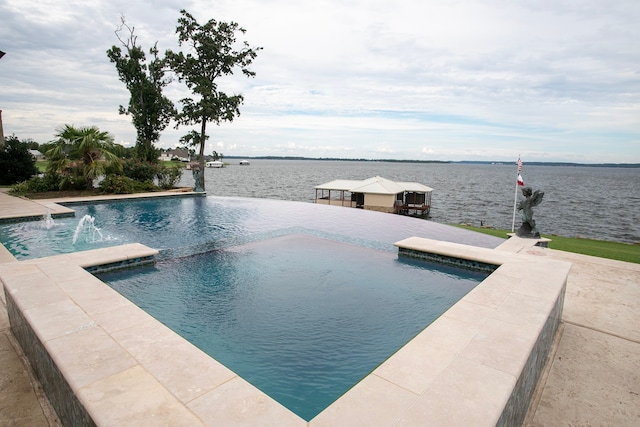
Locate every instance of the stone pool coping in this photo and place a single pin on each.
(103, 360)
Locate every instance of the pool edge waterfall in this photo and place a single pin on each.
(104, 361)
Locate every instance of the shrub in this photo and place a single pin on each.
(139, 170)
(146, 186)
(38, 184)
(168, 176)
(72, 182)
(119, 184)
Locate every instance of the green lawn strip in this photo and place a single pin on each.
(599, 248)
(173, 163)
(42, 165)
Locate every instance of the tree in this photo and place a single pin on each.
(43, 148)
(16, 162)
(31, 144)
(87, 150)
(212, 55)
(150, 110)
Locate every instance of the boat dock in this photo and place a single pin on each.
(377, 194)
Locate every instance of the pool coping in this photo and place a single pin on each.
(473, 365)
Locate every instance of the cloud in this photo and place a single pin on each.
(550, 80)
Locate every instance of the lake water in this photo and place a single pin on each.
(579, 201)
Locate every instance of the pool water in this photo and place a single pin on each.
(186, 225)
(300, 299)
(301, 317)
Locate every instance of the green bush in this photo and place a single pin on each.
(168, 176)
(146, 186)
(119, 184)
(72, 182)
(139, 170)
(71, 177)
(38, 184)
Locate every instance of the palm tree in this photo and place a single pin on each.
(87, 148)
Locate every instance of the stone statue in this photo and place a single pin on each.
(197, 177)
(528, 227)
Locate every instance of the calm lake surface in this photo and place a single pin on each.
(579, 201)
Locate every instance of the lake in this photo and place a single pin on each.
(580, 201)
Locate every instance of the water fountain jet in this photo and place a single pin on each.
(47, 220)
(87, 227)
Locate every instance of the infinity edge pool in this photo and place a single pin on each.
(103, 360)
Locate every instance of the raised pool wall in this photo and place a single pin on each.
(516, 408)
(103, 361)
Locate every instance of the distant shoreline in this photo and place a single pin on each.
(466, 162)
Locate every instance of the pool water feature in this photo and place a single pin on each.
(300, 317)
(47, 221)
(87, 228)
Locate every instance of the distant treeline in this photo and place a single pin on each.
(470, 162)
(566, 164)
(335, 159)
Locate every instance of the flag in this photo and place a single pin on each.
(520, 181)
(519, 163)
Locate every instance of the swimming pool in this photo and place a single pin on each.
(186, 225)
(485, 340)
(301, 318)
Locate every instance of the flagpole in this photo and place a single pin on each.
(515, 196)
(515, 202)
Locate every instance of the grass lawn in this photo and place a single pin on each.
(600, 248)
(42, 165)
(174, 164)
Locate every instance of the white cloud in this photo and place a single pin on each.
(467, 79)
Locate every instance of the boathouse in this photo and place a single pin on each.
(377, 194)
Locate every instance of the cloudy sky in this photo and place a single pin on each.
(549, 80)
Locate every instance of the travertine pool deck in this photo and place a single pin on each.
(150, 368)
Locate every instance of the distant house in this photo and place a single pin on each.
(378, 194)
(36, 154)
(180, 154)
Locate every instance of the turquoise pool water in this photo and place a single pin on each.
(302, 300)
(300, 317)
(187, 225)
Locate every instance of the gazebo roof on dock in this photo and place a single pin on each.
(374, 185)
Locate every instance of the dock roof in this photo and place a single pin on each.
(374, 185)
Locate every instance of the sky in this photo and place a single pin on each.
(448, 80)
